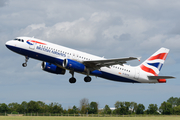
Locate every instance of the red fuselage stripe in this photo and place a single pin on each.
(36, 42)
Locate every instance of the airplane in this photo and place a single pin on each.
(58, 59)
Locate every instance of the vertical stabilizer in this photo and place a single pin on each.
(154, 63)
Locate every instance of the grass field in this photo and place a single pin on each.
(88, 118)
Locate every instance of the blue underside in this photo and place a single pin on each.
(53, 60)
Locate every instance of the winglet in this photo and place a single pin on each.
(139, 58)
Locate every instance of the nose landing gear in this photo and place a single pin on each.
(26, 60)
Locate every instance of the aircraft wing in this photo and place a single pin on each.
(96, 64)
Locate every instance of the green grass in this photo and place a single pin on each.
(88, 118)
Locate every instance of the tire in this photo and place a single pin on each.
(24, 64)
(87, 79)
(72, 80)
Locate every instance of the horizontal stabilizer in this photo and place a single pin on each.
(160, 77)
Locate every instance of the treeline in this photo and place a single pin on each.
(171, 106)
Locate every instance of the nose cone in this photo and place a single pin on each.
(8, 43)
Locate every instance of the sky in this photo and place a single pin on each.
(109, 28)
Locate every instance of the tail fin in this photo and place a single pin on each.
(154, 63)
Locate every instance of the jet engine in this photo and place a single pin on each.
(74, 65)
(52, 68)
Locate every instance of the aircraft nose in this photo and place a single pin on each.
(8, 44)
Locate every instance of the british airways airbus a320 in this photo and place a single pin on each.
(57, 59)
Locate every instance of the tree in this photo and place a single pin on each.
(140, 109)
(3, 108)
(133, 106)
(55, 108)
(166, 108)
(177, 110)
(152, 109)
(14, 107)
(33, 107)
(173, 100)
(65, 111)
(121, 108)
(42, 107)
(84, 103)
(178, 102)
(106, 110)
(75, 109)
(127, 105)
(24, 105)
(93, 108)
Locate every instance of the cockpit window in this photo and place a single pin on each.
(21, 40)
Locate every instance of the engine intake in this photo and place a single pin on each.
(52, 68)
(74, 65)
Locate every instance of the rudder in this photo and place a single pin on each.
(155, 62)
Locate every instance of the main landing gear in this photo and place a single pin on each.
(26, 60)
(73, 80)
(87, 78)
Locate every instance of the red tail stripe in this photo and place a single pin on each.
(36, 42)
(161, 56)
(149, 70)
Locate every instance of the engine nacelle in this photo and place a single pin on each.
(74, 65)
(52, 68)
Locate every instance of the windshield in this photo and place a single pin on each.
(21, 40)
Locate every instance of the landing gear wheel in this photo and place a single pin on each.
(24, 64)
(87, 79)
(26, 60)
(72, 80)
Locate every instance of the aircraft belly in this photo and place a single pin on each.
(37, 56)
